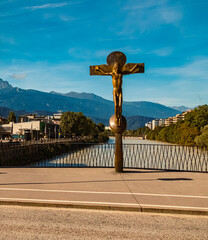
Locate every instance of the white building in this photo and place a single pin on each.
(161, 122)
(155, 123)
(149, 125)
(20, 127)
(32, 130)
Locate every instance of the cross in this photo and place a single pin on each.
(117, 67)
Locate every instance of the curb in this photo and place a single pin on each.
(109, 208)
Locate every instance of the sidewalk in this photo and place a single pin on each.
(102, 188)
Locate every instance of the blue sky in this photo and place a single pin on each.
(49, 46)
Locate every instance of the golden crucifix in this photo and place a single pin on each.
(117, 68)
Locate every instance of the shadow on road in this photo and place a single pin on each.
(175, 179)
(99, 181)
(151, 171)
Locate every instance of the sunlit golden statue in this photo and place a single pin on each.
(117, 68)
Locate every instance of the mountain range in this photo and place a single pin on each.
(91, 105)
(180, 108)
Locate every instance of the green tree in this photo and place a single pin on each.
(202, 140)
(198, 117)
(141, 132)
(186, 134)
(76, 124)
(101, 127)
(73, 124)
(12, 117)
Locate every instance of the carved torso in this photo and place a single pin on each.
(117, 82)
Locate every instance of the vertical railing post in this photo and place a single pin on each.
(118, 153)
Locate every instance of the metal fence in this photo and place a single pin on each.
(143, 156)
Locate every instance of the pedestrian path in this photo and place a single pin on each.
(102, 188)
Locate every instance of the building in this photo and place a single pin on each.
(161, 122)
(32, 130)
(168, 121)
(184, 113)
(56, 118)
(149, 125)
(31, 117)
(4, 133)
(155, 123)
(177, 118)
(3, 120)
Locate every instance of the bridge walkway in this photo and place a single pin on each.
(102, 188)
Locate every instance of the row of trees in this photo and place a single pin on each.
(140, 132)
(77, 124)
(193, 130)
(11, 117)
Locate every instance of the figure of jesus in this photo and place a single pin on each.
(117, 80)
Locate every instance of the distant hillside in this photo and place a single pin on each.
(133, 122)
(83, 95)
(4, 112)
(143, 108)
(136, 122)
(90, 104)
(180, 108)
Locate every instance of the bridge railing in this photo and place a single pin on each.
(17, 144)
(140, 156)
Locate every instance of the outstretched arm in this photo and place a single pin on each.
(133, 68)
(136, 66)
(101, 70)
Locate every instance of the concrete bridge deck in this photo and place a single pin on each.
(102, 188)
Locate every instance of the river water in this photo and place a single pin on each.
(137, 141)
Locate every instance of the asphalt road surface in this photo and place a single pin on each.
(50, 223)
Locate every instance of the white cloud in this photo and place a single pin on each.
(66, 18)
(170, 15)
(47, 5)
(19, 75)
(7, 1)
(44, 76)
(196, 69)
(163, 52)
(53, 5)
(149, 15)
(189, 83)
(142, 4)
(9, 40)
(117, 39)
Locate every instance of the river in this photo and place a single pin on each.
(137, 141)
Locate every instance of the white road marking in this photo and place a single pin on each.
(103, 203)
(94, 192)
